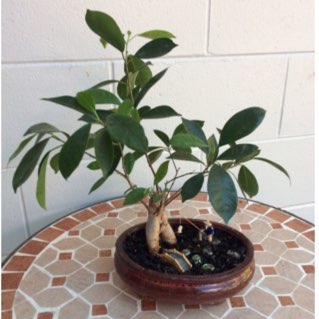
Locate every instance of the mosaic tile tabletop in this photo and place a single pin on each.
(67, 271)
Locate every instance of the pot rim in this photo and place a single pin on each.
(189, 278)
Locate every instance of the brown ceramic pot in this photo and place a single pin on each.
(186, 289)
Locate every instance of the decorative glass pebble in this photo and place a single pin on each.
(208, 251)
(186, 252)
(208, 267)
(233, 254)
(197, 259)
(216, 241)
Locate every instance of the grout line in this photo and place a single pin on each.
(174, 57)
(208, 25)
(283, 101)
(24, 210)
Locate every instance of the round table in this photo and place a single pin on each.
(67, 271)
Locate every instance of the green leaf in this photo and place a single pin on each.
(103, 42)
(222, 192)
(85, 99)
(212, 149)
(158, 112)
(41, 128)
(127, 131)
(156, 34)
(73, 151)
(162, 136)
(68, 101)
(161, 172)
(20, 148)
(241, 124)
(54, 163)
(154, 156)
(145, 88)
(279, 167)
(238, 152)
(101, 96)
(192, 187)
(129, 161)
(40, 191)
(104, 150)
(122, 88)
(134, 196)
(195, 129)
(247, 181)
(155, 48)
(105, 27)
(116, 160)
(249, 157)
(103, 83)
(125, 108)
(98, 184)
(184, 156)
(182, 140)
(102, 115)
(137, 65)
(94, 166)
(27, 164)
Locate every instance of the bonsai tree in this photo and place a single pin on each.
(120, 139)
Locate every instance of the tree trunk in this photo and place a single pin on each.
(158, 228)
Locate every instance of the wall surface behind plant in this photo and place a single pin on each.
(232, 54)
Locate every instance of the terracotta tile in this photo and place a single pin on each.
(83, 215)
(242, 203)
(195, 306)
(45, 315)
(46, 257)
(102, 277)
(142, 214)
(245, 226)
(74, 233)
(201, 197)
(65, 256)
(278, 215)
(113, 215)
(258, 208)
(118, 203)
(66, 223)
(175, 213)
(237, 302)
(49, 234)
(310, 234)
(105, 253)
(269, 271)
(80, 280)
(308, 269)
(19, 263)
(148, 304)
(291, 244)
(286, 300)
(7, 298)
(34, 281)
(204, 211)
(58, 281)
(109, 232)
(102, 208)
(276, 226)
(258, 247)
(98, 310)
(298, 225)
(6, 315)
(33, 247)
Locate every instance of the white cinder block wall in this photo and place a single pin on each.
(232, 54)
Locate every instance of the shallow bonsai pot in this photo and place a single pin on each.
(185, 289)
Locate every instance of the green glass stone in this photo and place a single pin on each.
(208, 251)
(197, 259)
(208, 267)
(186, 252)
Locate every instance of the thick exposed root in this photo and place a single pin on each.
(166, 232)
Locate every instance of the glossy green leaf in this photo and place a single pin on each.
(127, 131)
(41, 128)
(157, 34)
(73, 151)
(137, 65)
(20, 148)
(94, 166)
(103, 83)
(238, 152)
(116, 159)
(27, 164)
(129, 161)
(276, 165)
(192, 187)
(102, 115)
(104, 26)
(184, 156)
(143, 110)
(222, 192)
(103, 42)
(67, 101)
(192, 127)
(85, 99)
(155, 48)
(104, 152)
(212, 149)
(150, 83)
(135, 195)
(98, 184)
(101, 96)
(54, 163)
(248, 157)
(125, 108)
(241, 124)
(122, 88)
(161, 172)
(182, 140)
(40, 190)
(162, 136)
(159, 112)
(247, 181)
(154, 156)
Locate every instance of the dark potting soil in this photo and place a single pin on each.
(224, 253)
